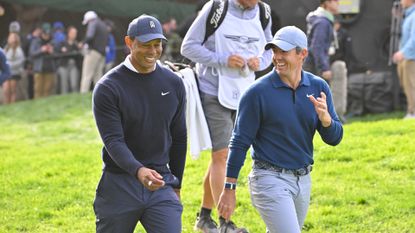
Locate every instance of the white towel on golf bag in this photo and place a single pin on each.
(198, 131)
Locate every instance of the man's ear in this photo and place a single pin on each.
(128, 41)
(304, 53)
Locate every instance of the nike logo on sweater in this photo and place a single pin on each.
(165, 93)
(308, 96)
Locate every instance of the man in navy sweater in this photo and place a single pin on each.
(139, 109)
(279, 115)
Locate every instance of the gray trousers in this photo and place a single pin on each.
(69, 77)
(121, 202)
(281, 199)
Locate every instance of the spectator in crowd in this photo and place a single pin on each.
(35, 33)
(139, 109)
(171, 50)
(320, 37)
(68, 69)
(278, 116)
(58, 33)
(41, 51)
(405, 57)
(226, 63)
(96, 40)
(4, 67)
(111, 49)
(15, 58)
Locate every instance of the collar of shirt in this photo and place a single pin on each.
(129, 65)
(277, 82)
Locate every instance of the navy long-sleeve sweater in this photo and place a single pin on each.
(141, 120)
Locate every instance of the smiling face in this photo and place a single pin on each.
(144, 55)
(288, 64)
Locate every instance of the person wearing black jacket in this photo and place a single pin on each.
(68, 69)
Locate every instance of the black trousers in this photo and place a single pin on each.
(121, 202)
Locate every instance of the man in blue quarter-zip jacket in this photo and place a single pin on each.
(279, 115)
(139, 109)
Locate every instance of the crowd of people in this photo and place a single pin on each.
(52, 60)
(139, 108)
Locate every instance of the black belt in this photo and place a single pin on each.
(270, 167)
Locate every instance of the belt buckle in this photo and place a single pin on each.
(303, 171)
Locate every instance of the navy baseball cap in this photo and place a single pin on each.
(145, 28)
(288, 38)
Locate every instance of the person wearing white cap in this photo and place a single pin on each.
(88, 16)
(139, 109)
(95, 43)
(278, 116)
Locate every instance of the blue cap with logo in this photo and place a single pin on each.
(288, 38)
(145, 28)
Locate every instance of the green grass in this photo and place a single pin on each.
(50, 164)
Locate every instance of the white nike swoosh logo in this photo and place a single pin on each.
(165, 93)
(308, 96)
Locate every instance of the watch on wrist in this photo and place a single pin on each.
(229, 185)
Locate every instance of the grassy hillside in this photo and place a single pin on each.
(50, 164)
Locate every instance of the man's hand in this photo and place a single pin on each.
(226, 205)
(398, 57)
(320, 105)
(326, 75)
(236, 61)
(253, 63)
(151, 179)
